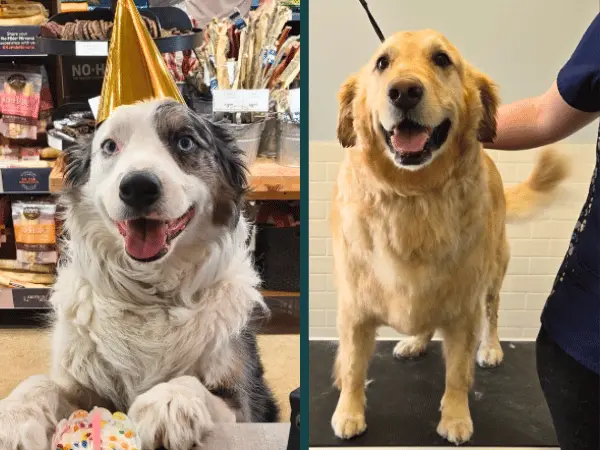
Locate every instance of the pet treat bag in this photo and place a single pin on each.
(20, 102)
(35, 232)
(46, 104)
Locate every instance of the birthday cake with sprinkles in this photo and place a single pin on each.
(98, 429)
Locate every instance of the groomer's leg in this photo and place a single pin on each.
(178, 415)
(572, 393)
(29, 415)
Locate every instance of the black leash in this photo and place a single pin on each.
(372, 20)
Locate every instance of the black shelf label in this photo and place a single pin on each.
(19, 40)
(30, 298)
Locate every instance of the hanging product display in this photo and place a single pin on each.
(255, 53)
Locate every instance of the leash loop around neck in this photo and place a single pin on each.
(372, 20)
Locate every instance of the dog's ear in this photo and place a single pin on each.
(228, 209)
(230, 158)
(490, 100)
(345, 126)
(77, 160)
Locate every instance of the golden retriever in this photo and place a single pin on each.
(418, 219)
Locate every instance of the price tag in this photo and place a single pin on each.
(256, 100)
(294, 102)
(271, 56)
(94, 105)
(91, 48)
(241, 100)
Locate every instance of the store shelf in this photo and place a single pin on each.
(272, 181)
(167, 17)
(100, 48)
(24, 298)
(281, 323)
(268, 181)
(267, 293)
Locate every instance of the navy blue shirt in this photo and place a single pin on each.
(572, 313)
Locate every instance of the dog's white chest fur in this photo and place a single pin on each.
(119, 349)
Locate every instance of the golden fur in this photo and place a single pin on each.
(423, 250)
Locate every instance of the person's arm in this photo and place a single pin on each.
(538, 121)
(571, 103)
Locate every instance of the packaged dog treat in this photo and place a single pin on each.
(35, 232)
(13, 264)
(9, 282)
(8, 152)
(25, 280)
(20, 102)
(4, 218)
(30, 153)
(46, 104)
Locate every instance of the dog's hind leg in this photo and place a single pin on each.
(413, 346)
(490, 352)
(357, 342)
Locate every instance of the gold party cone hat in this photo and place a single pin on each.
(135, 69)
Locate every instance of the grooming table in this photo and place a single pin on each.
(507, 405)
(249, 436)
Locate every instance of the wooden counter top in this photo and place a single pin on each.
(268, 181)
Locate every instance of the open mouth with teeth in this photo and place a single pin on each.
(413, 144)
(147, 239)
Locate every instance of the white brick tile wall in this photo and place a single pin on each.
(537, 247)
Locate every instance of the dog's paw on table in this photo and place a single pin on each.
(457, 431)
(168, 416)
(347, 425)
(23, 426)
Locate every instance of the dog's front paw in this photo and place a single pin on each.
(456, 430)
(24, 426)
(171, 415)
(348, 423)
(490, 355)
(410, 348)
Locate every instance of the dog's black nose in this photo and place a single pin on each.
(140, 189)
(406, 94)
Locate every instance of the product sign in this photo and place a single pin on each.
(241, 100)
(83, 76)
(21, 40)
(16, 179)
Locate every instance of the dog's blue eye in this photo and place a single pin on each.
(109, 146)
(185, 143)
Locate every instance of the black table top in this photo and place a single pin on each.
(507, 404)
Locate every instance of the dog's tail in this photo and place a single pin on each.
(527, 198)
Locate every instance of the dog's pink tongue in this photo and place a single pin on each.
(409, 141)
(145, 239)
